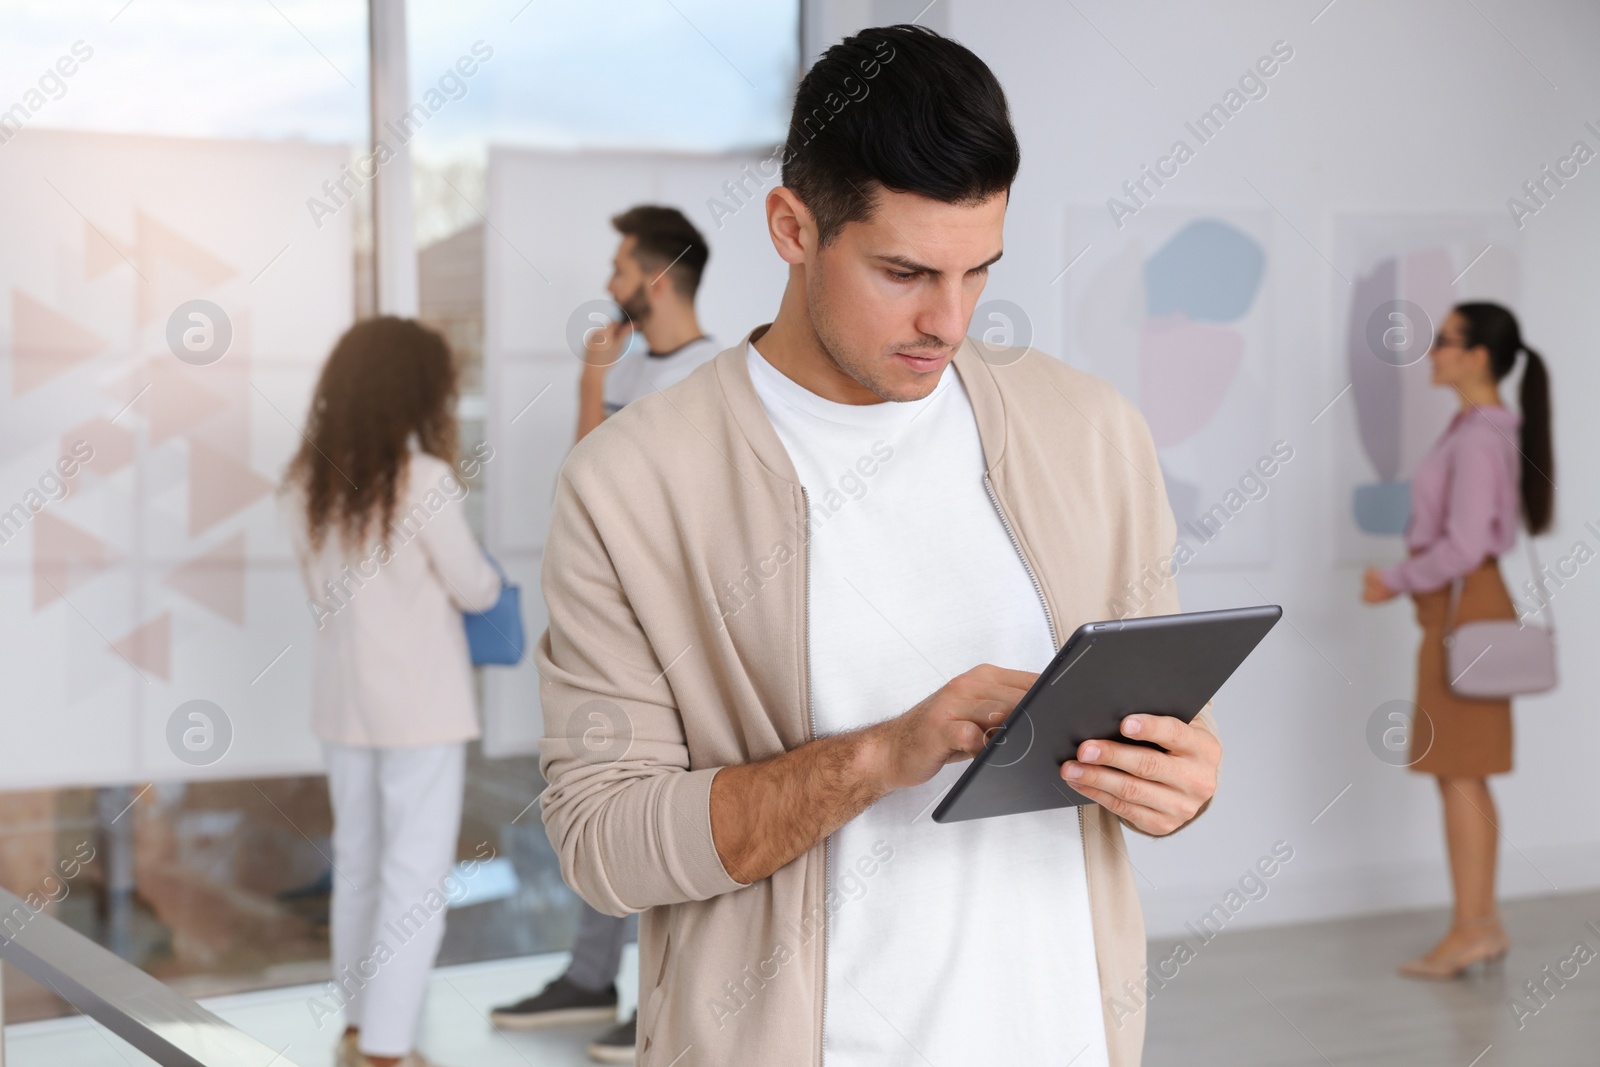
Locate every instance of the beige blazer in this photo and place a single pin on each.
(675, 576)
(389, 656)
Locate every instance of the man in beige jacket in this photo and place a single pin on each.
(753, 574)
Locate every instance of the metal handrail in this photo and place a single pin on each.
(155, 1019)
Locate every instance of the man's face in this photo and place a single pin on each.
(628, 285)
(890, 298)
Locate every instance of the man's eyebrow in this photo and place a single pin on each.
(911, 265)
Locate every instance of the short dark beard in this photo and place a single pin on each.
(637, 306)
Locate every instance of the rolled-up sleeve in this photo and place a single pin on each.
(629, 820)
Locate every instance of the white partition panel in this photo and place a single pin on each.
(157, 572)
(548, 254)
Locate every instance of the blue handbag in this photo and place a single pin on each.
(496, 637)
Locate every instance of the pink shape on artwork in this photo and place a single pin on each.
(64, 557)
(219, 486)
(176, 401)
(112, 445)
(102, 252)
(149, 646)
(45, 343)
(229, 430)
(214, 579)
(175, 268)
(1185, 369)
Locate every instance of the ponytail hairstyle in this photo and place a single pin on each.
(1496, 329)
(388, 382)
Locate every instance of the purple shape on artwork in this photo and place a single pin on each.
(1375, 384)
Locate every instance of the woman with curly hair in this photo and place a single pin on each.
(389, 566)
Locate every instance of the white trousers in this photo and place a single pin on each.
(396, 817)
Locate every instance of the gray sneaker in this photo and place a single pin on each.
(558, 1004)
(616, 1045)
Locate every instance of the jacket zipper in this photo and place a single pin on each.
(811, 711)
(1049, 619)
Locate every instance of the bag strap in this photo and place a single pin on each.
(1538, 582)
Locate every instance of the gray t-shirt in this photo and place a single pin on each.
(640, 372)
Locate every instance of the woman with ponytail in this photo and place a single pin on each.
(1490, 468)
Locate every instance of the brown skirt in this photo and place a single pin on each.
(1453, 736)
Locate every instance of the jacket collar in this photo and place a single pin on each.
(733, 372)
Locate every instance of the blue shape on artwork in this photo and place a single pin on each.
(1209, 271)
(1383, 508)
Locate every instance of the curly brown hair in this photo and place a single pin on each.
(387, 380)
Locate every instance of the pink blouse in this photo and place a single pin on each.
(1465, 502)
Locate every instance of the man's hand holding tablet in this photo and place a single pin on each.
(1155, 792)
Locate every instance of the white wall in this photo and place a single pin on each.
(1416, 107)
(1423, 109)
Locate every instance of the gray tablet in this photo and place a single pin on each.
(1161, 664)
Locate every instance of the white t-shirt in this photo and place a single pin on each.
(641, 372)
(968, 942)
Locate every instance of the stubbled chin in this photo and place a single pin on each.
(905, 388)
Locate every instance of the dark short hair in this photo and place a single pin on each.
(666, 241)
(899, 108)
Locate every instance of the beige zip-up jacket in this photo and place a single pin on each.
(675, 575)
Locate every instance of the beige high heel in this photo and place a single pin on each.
(1489, 949)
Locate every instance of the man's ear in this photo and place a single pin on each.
(657, 281)
(789, 223)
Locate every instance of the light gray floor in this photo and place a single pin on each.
(1315, 994)
(455, 1030)
(1327, 993)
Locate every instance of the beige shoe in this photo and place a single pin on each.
(347, 1054)
(410, 1059)
(1475, 941)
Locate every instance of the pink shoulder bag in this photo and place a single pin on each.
(1493, 659)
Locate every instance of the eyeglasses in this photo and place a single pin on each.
(1441, 341)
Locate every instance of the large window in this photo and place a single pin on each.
(687, 76)
(167, 303)
(159, 162)
(619, 79)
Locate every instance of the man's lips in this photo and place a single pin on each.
(919, 361)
